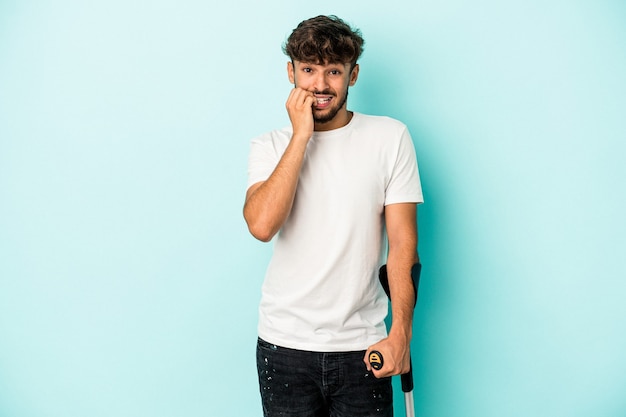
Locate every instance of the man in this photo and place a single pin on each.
(328, 188)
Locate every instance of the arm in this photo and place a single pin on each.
(401, 224)
(268, 203)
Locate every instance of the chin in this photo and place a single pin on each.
(326, 117)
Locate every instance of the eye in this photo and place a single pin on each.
(307, 69)
(334, 72)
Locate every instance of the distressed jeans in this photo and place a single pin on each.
(297, 383)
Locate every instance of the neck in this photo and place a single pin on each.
(341, 119)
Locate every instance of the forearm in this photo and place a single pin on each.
(268, 205)
(402, 233)
(399, 264)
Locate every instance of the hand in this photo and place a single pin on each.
(300, 108)
(396, 355)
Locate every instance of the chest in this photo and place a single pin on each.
(346, 173)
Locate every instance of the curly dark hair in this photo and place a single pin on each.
(324, 40)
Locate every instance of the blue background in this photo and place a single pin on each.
(128, 281)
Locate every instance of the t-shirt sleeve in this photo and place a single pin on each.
(262, 160)
(404, 185)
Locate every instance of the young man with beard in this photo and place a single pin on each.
(334, 188)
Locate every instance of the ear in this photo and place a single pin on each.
(354, 75)
(290, 73)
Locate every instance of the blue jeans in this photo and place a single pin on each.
(297, 383)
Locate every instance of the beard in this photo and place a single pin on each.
(332, 112)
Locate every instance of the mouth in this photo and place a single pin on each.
(322, 101)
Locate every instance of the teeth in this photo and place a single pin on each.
(323, 100)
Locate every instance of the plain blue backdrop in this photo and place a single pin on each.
(128, 281)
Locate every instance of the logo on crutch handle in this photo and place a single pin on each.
(376, 359)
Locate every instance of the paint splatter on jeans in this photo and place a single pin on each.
(296, 383)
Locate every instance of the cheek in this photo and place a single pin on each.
(341, 87)
(301, 82)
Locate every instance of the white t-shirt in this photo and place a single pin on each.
(321, 290)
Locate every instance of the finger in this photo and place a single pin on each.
(291, 98)
(310, 100)
(302, 94)
(298, 98)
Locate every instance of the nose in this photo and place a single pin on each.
(320, 83)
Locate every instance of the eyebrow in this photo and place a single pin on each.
(338, 66)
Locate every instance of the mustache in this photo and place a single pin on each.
(325, 92)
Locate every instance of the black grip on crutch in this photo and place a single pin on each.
(407, 380)
(416, 271)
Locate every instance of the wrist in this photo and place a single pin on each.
(301, 137)
(401, 332)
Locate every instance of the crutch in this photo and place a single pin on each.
(376, 358)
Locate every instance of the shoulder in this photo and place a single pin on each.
(382, 129)
(278, 138)
(388, 124)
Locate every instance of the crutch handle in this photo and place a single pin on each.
(375, 359)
